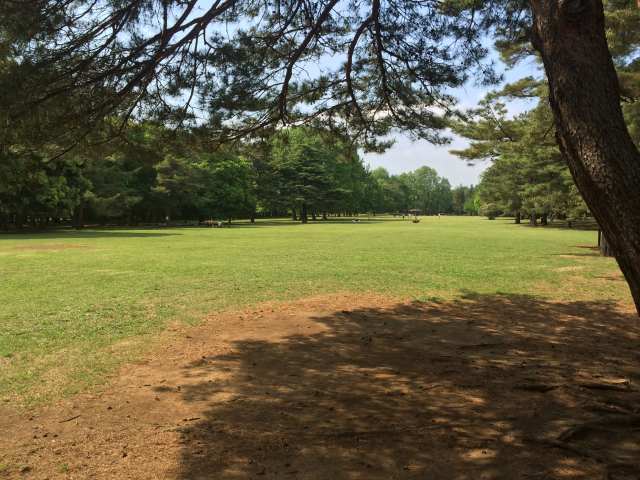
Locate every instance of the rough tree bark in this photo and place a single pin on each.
(591, 131)
(78, 216)
(604, 245)
(544, 219)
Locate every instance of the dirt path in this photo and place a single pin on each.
(358, 387)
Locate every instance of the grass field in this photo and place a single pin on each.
(76, 304)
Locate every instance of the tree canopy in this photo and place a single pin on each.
(363, 67)
(528, 175)
(153, 174)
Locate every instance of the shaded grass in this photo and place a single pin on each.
(76, 304)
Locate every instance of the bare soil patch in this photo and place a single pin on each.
(358, 387)
(571, 268)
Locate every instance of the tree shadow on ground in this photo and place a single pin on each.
(579, 224)
(282, 223)
(561, 226)
(479, 388)
(590, 251)
(84, 234)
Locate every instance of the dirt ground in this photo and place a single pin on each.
(358, 387)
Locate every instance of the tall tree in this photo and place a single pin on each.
(528, 174)
(317, 171)
(591, 130)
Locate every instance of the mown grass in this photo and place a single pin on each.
(73, 305)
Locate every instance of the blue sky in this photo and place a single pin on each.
(406, 155)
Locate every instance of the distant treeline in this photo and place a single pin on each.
(155, 175)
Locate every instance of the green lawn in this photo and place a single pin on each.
(75, 304)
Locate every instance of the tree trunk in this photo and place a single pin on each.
(303, 213)
(313, 215)
(604, 245)
(533, 219)
(78, 216)
(20, 220)
(324, 215)
(518, 217)
(294, 217)
(544, 219)
(590, 129)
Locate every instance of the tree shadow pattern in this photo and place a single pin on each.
(484, 387)
(85, 234)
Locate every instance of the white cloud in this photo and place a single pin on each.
(406, 156)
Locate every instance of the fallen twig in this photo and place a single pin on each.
(570, 448)
(628, 468)
(617, 387)
(385, 431)
(536, 387)
(482, 345)
(69, 419)
(602, 424)
(613, 409)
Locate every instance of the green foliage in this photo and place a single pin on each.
(306, 165)
(152, 174)
(429, 193)
(421, 190)
(464, 200)
(527, 175)
(401, 58)
(31, 185)
(229, 187)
